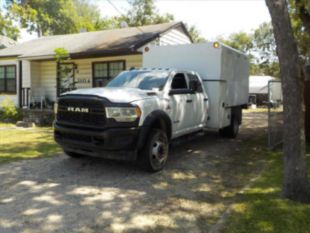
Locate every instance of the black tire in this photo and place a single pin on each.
(154, 154)
(73, 155)
(232, 130)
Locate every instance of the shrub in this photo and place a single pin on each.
(8, 111)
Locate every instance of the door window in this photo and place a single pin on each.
(179, 82)
(194, 83)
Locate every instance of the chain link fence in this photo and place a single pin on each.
(275, 114)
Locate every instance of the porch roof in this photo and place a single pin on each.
(98, 43)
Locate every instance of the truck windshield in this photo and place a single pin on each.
(145, 80)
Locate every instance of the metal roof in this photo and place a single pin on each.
(88, 44)
(259, 84)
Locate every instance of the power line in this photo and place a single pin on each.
(115, 8)
(120, 12)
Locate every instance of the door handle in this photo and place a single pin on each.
(189, 101)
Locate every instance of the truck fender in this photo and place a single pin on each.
(156, 119)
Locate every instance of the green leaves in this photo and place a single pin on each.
(47, 17)
(50, 17)
(144, 12)
(61, 54)
(195, 34)
(6, 25)
(300, 19)
(241, 41)
(260, 46)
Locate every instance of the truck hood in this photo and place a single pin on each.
(114, 94)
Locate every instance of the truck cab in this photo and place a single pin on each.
(134, 117)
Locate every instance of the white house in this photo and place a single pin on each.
(29, 70)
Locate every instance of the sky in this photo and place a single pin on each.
(212, 18)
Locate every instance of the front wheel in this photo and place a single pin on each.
(154, 154)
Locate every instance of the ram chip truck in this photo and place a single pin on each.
(183, 89)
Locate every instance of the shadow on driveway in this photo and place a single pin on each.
(60, 194)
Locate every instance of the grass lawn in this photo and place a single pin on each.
(5, 125)
(26, 143)
(261, 209)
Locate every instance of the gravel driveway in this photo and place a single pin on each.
(60, 194)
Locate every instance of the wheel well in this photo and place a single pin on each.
(163, 124)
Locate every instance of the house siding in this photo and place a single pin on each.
(173, 37)
(35, 75)
(84, 71)
(44, 73)
(41, 76)
(26, 69)
(48, 79)
(13, 97)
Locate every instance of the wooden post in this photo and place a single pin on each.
(20, 84)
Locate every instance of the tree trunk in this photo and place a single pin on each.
(307, 102)
(295, 185)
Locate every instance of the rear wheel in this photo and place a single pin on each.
(73, 155)
(232, 130)
(154, 155)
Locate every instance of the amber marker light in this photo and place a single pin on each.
(216, 45)
(138, 111)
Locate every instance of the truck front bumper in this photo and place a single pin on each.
(113, 143)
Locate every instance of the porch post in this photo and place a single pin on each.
(20, 84)
(57, 78)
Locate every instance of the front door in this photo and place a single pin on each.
(199, 106)
(178, 102)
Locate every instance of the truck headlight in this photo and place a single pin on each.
(123, 114)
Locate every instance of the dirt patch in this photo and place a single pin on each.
(60, 194)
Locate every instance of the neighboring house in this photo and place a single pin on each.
(29, 70)
(6, 42)
(258, 89)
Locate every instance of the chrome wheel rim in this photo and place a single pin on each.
(159, 153)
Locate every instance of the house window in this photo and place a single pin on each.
(8, 79)
(103, 72)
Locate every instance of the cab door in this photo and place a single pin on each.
(177, 99)
(199, 107)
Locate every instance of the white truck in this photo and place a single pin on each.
(142, 110)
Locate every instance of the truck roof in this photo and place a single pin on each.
(162, 69)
